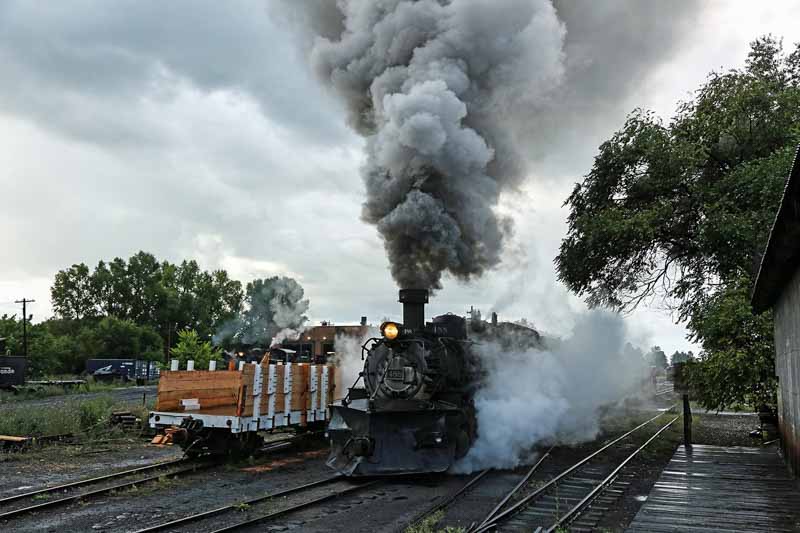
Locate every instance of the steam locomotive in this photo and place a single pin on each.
(414, 410)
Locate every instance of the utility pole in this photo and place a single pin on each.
(24, 302)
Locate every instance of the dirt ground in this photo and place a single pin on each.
(57, 464)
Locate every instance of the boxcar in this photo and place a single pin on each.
(12, 371)
(124, 369)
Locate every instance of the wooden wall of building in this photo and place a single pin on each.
(787, 368)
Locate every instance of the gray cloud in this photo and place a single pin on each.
(161, 126)
(60, 56)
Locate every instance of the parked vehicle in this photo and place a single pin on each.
(123, 369)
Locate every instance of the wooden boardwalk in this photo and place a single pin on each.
(722, 489)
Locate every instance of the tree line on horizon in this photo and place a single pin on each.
(140, 307)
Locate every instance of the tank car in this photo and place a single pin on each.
(413, 411)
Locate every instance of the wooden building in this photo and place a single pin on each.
(777, 287)
(317, 342)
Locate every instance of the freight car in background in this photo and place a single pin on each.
(137, 370)
(12, 371)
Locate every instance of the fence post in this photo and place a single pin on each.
(173, 365)
(687, 424)
(190, 365)
(212, 365)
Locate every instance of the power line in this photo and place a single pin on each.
(24, 303)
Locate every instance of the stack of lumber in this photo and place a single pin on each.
(210, 392)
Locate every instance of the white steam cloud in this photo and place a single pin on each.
(434, 86)
(348, 360)
(551, 396)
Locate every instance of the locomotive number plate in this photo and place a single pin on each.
(395, 373)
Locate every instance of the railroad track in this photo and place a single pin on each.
(565, 499)
(48, 497)
(56, 496)
(191, 521)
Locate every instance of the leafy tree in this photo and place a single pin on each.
(632, 353)
(681, 357)
(11, 330)
(159, 295)
(114, 338)
(681, 212)
(738, 363)
(49, 351)
(72, 293)
(657, 357)
(191, 348)
(51, 354)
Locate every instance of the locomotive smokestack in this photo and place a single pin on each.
(414, 301)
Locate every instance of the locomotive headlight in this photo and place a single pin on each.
(390, 330)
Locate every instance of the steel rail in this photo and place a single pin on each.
(513, 491)
(105, 490)
(572, 513)
(508, 512)
(237, 505)
(74, 484)
(451, 498)
(297, 507)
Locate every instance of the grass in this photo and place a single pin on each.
(429, 525)
(162, 483)
(81, 417)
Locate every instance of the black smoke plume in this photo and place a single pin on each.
(430, 84)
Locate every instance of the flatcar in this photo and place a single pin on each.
(221, 412)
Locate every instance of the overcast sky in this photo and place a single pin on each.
(197, 130)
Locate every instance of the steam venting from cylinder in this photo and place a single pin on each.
(434, 85)
(414, 301)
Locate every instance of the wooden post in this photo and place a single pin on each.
(687, 424)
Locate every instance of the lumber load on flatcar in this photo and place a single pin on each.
(222, 411)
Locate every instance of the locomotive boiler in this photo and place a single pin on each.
(413, 411)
